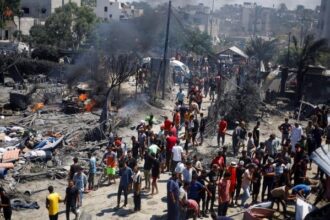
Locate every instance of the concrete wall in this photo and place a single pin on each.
(115, 10)
(108, 10)
(26, 23)
(7, 32)
(43, 8)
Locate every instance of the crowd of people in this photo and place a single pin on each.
(274, 169)
(263, 170)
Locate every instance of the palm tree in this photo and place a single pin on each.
(305, 56)
(261, 49)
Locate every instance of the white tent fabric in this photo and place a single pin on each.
(302, 209)
(321, 157)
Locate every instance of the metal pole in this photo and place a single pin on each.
(301, 103)
(288, 58)
(211, 29)
(166, 47)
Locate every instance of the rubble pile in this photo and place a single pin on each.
(42, 129)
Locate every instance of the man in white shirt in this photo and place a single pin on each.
(295, 137)
(187, 173)
(177, 154)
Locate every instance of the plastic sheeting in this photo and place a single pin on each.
(321, 156)
(302, 209)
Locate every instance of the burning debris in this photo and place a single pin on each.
(79, 101)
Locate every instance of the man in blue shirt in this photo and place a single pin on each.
(173, 192)
(80, 181)
(195, 189)
(180, 97)
(91, 171)
(125, 174)
(302, 190)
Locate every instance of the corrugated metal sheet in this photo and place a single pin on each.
(321, 156)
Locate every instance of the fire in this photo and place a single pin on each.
(89, 105)
(38, 106)
(8, 12)
(83, 97)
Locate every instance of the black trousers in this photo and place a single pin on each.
(72, 208)
(137, 201)
(120, 189)
(7, 215)
(211, 198)
(222, 209)
(53, 217)
(238, 190)
(269, 186)
(168, 159)
(203, 200)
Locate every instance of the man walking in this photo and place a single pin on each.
(222, 128)
(173, 192)
(285, 129)
(295, 137)
(80, 181)
(71, 200)
(91, 171)
(125, 174)
(202, 126)
(177, 154)
(52, 203)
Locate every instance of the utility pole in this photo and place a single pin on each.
(211, 29)
(166, 48)
(288, 57)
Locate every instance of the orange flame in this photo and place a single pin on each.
(83, 97)
(8, 12)
(38, 106)
(90, 105)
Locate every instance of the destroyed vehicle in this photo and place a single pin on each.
(80, 101)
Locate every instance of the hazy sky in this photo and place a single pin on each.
(291, 4)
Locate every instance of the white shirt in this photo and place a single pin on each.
(296, 133)
(179, 167)
(246, 182)
(177, 151)
(183, 194)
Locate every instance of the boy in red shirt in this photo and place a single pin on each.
(167, 125)
(222, 131)
(170, 142)
(232, 170)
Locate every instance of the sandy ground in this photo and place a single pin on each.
(100, 204)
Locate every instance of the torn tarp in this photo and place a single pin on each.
(321, 156)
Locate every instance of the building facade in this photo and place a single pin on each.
(324, 20)
(201, 17)
(108, 10)
(41, 9)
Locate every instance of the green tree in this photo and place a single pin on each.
(198, 42)
(39, 35)
(67, 27)
(261, 50)
(305, 56)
